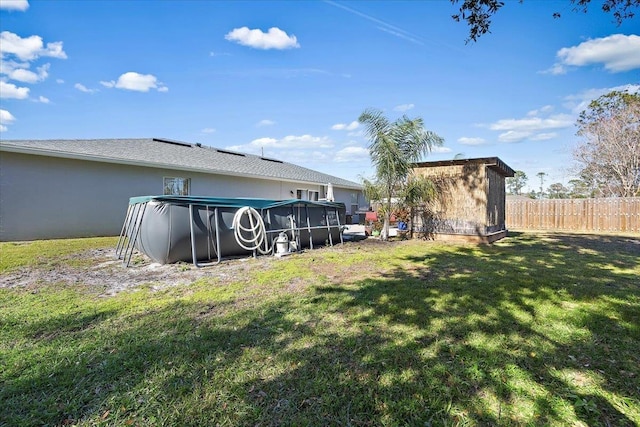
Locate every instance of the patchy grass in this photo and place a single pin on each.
(538, 329)
(39, 253)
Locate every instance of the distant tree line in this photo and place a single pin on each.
(575, 189)
(607, 157)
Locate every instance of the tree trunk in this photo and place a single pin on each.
(384, 234)
(412, 214)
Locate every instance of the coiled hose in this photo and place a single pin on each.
(253, 237)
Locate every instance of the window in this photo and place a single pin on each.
(177, 186)
(302, 194)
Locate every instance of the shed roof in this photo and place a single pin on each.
(491, 162)
(164, 153)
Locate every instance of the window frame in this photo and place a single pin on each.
(181, 180)
(307, 194)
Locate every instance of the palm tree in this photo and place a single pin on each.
(541, 175)
(418, 193)
(394, 148)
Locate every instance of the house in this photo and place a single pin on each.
(471, 199)
(81, 188)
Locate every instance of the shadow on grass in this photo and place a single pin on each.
(535, 330)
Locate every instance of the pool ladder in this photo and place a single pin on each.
(130, 232)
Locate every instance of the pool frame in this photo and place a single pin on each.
(136, 209)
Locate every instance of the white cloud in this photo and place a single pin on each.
(346, 126)
(43, 99)
(275, 38)
(208, 130)
(617, 52)
(136, 82)
(534, 126)
(294, 141)
(303, 157)
(260, 142)
(83, 88)
(514, 136)
(6, 118)
(403, 107)
(21, 73)
(29, 48)
(319, 156)
(471, 141)
(26, 76)
(19, 5)
(556, 69)
(351, 154)
(265, 122)
(559, 121)
(17, 54)
(59, 81)
(9, 90)
(543, 136)
(7, 67)
(545, 109)
(440, 149)
(241, 149)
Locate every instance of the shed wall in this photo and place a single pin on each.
(496, 204)
(47, 197)
(461, 205)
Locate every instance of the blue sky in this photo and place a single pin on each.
(289, 79)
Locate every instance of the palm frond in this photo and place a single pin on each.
(376, 125)
(394, 147)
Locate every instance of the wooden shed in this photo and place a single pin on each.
(470, 202)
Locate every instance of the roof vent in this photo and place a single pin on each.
(170, 141)
(233, 153)
(271, 160)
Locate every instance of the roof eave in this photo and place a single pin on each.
(494, 163)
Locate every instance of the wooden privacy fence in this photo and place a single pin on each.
(607, 215)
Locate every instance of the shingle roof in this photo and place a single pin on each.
(155, 152)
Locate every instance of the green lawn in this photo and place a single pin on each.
(537, 329)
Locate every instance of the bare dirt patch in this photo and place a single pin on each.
(98, 270)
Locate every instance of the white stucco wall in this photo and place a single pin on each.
(46, 197)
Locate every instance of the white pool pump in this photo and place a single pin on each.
(282, 244)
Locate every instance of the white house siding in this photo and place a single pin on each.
(45, 197)
(351, 199)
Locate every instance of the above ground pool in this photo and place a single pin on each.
(194, 229)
